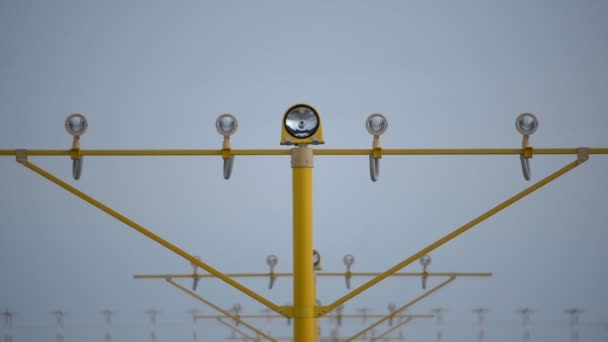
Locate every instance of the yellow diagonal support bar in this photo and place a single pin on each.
(318, 152)
(151, 235)
(452, 235)
(217, 308)
(405, 307)
(318, 274)
(397, 326)
(233, 328)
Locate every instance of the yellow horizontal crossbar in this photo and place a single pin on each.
(319, 274)
(326, 316)
(318, 152)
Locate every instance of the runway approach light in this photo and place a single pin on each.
(376, 124)
(76, 125)
(526, 124)
(302, 125)
(226, 125)
(348, 261)
(272, 260)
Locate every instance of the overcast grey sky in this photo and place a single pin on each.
(151, 74)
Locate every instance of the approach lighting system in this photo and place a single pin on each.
(425, 261)
(302, 125)
(348, 261)
(226, 124)
(76, 124)
(272, 260)
(376, 124)
(526, 123)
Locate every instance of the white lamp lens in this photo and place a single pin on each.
(76, 124)
(226, 124)
(376, 124)
(526, 123)
(301, 122)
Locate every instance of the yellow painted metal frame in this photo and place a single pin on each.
(318, 274)
(402, 316)
(398, 310)
(304, 310)
(219, 309)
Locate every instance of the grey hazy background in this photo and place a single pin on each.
(150, 74)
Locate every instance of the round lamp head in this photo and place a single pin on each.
(348, 259)
(226, 124)
(76, 124)
(526, 123)
(272, 260)
(425, 260)
(301, 121)
(376, 124)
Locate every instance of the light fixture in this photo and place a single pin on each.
(301, 125)
(316, 260)
(348, 261)
(376, 124)
(195, 277)
(227, 125)
(76, 125)
(526, 124)
(425, 261)
(272, 261)
(391, 309)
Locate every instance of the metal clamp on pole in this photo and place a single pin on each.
(582, 154)
(376, 124)
(425, 261)
(272, 261)
(76, 125)
(226, 125)
(348, 261)
(526, 124)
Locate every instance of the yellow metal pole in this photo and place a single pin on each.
(304, 326)
(397, 326)
(150, 234)
(217, 308)
(405, 307)
(451, 236)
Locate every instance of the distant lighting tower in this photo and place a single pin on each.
(439, 320)
(525, 321)
(574, 315)
(107, 315)
(8, 324)
(194, 313)
(152, 313)
(59, 314)
(481, 314)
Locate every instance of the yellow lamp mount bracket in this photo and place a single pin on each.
(376, 124)
(76, 125)
(526, 124)
(302, 125)
(227, 125)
